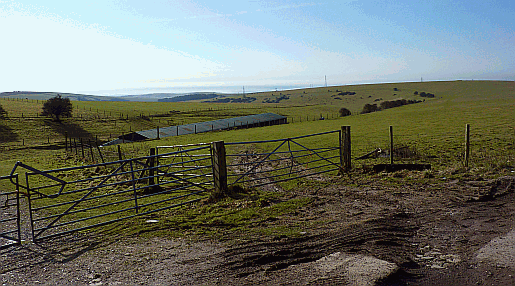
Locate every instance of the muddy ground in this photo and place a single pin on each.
(432, 229)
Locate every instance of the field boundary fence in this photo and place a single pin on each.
(67, 200)
(72, 199)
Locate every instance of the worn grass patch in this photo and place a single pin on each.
(249, 211)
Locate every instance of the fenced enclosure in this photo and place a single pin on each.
(77, 198)
(66, 200)
(10, 231)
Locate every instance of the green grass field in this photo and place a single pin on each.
(433, 131)
(436, 126)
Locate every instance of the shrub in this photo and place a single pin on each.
(344, 112)
(424, 94)
(347, 93)
(369, 108)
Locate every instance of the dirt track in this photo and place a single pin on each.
(431, 230)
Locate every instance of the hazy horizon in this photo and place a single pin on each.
(226, 89)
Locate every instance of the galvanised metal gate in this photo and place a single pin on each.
(72, 199)
(10, 230)
(291, 158)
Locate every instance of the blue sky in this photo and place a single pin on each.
(118, 46)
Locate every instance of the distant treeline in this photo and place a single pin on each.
(277, 99)
(191, 96)
(387, 104)
(233, 100)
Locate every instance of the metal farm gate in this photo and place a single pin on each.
(10, 230)
(67, 200)
(289, 159)
(101, 194)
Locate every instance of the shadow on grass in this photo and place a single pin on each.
(74, 130)
(7, 134)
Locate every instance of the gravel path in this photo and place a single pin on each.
(447, 233)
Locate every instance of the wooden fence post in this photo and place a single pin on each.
(219, 169)
(158, 132)
(91, 150)
(345, 148)
(66, 141)
(119, 153)
(82, 147)
(467, 145)
(391, 145)
(100, 153)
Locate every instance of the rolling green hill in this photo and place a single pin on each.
(434, 128)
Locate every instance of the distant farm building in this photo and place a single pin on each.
(250, 121)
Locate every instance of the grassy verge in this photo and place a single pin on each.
(241, 212)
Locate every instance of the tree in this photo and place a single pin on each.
(57, 107)
(344, 112)
(3, 113)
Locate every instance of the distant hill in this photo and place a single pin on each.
(191, 96)
(46, 95)
(163, 97)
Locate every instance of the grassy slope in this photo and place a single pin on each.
(438, 123)
(434, 128)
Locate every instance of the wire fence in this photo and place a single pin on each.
(76, 198)
(491, 146)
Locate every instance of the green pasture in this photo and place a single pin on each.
(433, 131)
(435, 126)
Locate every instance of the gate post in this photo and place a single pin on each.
(219, 169)
(345, 148)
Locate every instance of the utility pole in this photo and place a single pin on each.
(325, 81)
